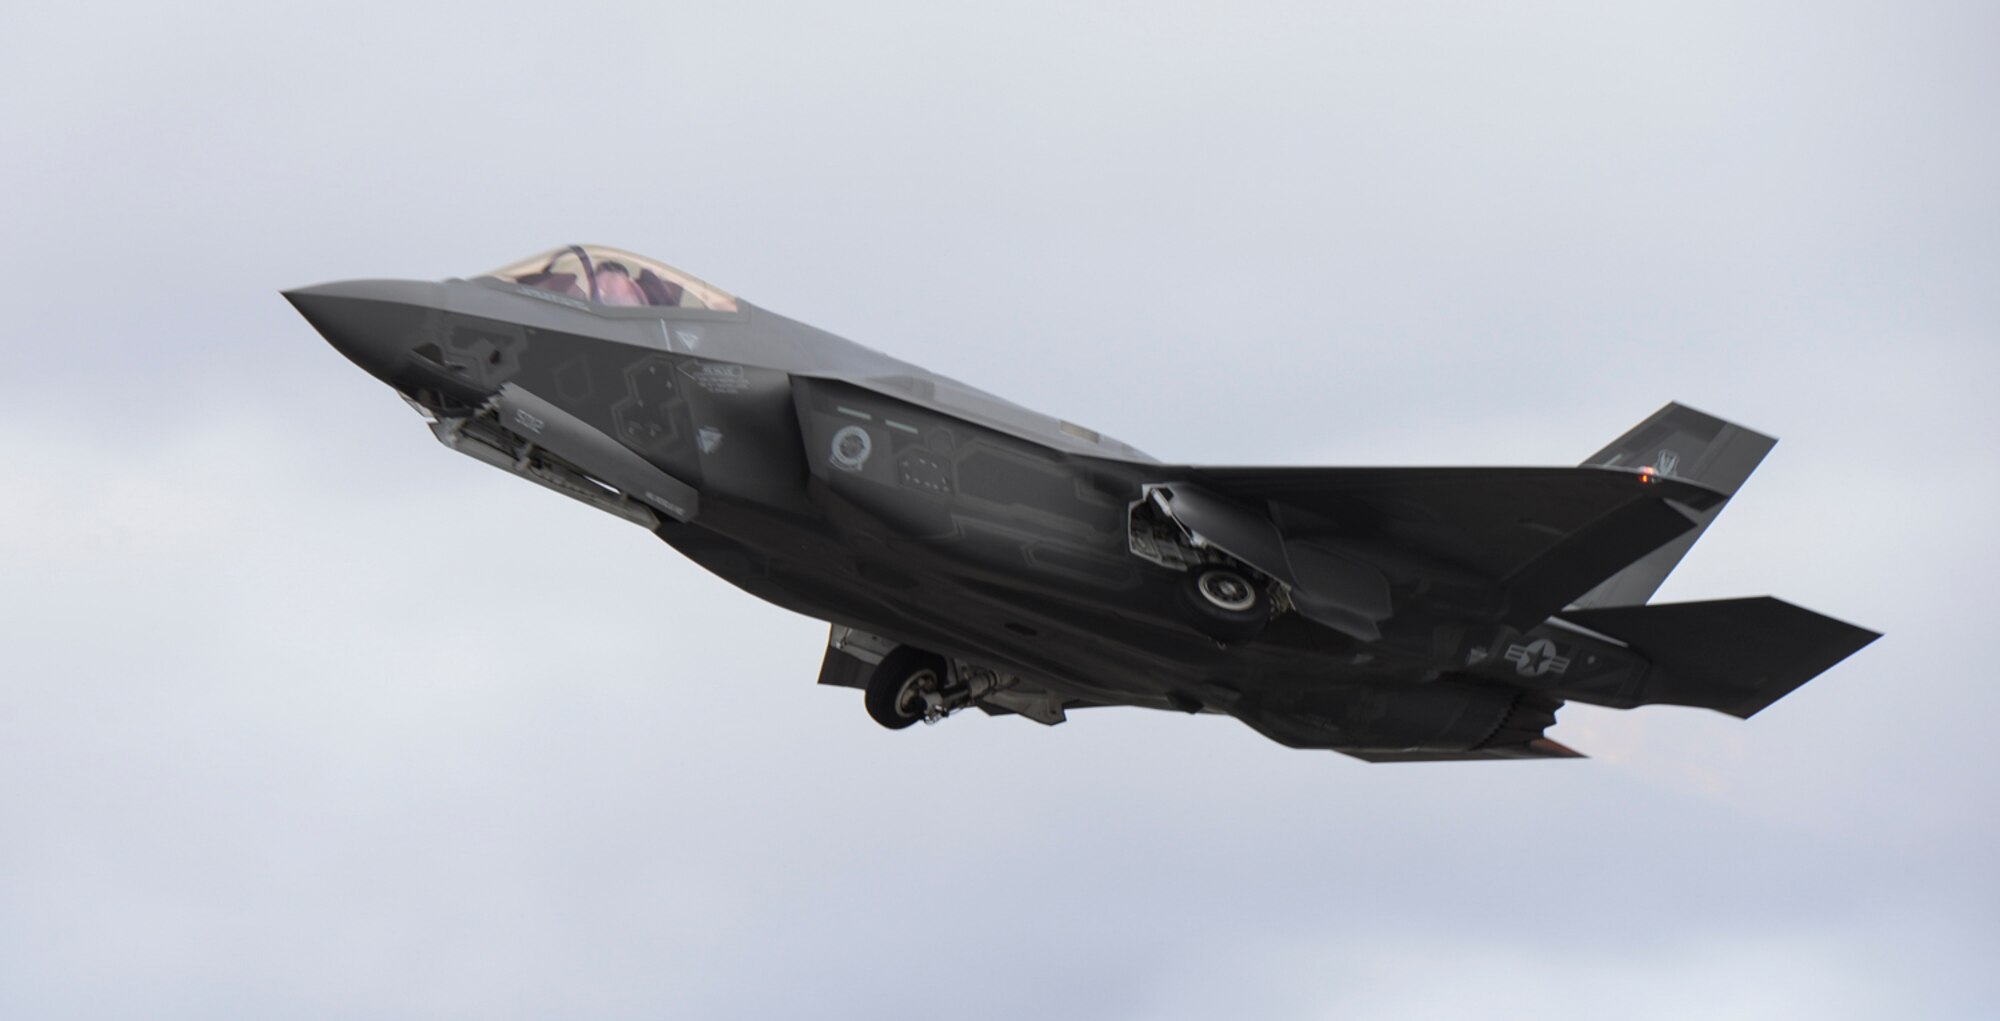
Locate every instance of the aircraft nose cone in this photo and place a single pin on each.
(373, 322)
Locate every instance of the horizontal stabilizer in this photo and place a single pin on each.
(1731, 655)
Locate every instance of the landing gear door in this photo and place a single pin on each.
(1325, 587)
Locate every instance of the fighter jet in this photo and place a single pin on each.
(968, 552)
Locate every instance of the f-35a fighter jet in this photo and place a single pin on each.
(969, 552)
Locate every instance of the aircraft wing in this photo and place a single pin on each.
(1544, 535)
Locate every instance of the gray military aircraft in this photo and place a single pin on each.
(970, 552)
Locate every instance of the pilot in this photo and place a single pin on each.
(658, 291)
(615, 285)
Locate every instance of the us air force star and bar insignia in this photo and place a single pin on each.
(1537, 658)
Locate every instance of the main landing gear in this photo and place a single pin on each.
(1224, 602)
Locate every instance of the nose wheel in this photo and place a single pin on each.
(1224, 602)
(907, 687)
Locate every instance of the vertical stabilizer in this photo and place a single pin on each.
(1678, 442)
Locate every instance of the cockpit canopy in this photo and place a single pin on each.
(609, 276)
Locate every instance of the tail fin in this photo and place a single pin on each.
(1731, 655)
(1677, 442)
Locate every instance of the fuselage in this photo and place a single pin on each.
(836, 481)
(1388, 613)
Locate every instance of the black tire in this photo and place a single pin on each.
(891, 694)
(1226, 603)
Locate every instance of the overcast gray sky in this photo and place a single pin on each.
(303, 716)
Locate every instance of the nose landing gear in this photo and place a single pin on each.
(909, 685)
